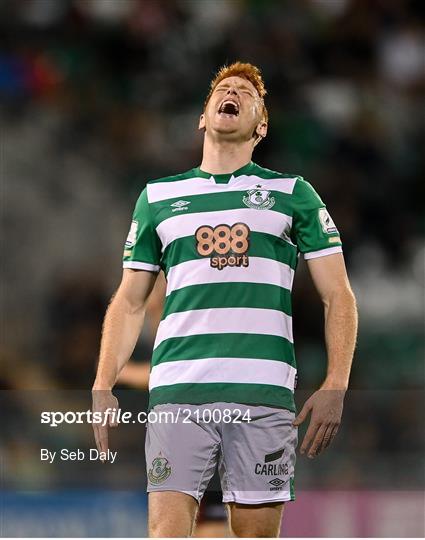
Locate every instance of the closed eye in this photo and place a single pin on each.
(245, 91)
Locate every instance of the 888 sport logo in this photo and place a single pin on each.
(225, 245)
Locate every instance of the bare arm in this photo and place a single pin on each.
(137, 374)
(121, 329)
(122, 325)
(330, 279)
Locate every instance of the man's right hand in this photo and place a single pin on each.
(121, 329)
(104, 402)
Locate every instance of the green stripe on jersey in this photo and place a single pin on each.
(260, 245)
(215, 202)
(201, 393)
(227, 345)
(228, 294)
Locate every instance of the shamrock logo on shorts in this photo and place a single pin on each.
(160, 471)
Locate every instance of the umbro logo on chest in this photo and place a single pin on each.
(179, 206)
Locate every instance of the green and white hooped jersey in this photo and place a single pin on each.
(228, 245)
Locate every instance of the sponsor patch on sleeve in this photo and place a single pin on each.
(328, 226)
(334, 239)
(132, 234)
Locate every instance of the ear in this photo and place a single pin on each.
(261, 129)
(201, 121)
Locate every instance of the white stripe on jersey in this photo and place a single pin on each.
(161, 191)
(199, 272)
(223, 321)
(223, 370)
(182, 225)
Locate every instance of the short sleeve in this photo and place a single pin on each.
(313, 229)
(142, 249)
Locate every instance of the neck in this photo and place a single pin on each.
(223, 157)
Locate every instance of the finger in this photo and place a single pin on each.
(112, 421)
(333, 434)
(96, 436)
(317, 441)
(103, 438)
(112, 412)
(309, 436)
(303, 414)
(96, 425)
(326, 439)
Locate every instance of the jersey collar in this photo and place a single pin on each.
(225, 178)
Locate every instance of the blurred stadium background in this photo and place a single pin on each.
(99, 96)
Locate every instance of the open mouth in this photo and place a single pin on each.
(229, 108)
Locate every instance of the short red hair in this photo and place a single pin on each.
(246, 71)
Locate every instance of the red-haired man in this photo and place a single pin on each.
(227, 235)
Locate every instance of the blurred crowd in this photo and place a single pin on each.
(99, 96)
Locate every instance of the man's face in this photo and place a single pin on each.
(234, 110)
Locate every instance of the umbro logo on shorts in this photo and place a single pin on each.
(276, 482)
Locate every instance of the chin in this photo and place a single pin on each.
(228, 135)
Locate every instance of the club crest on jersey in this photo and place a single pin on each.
(258, 198)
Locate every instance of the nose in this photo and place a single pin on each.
(232, 91)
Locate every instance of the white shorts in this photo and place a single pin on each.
(255, 458)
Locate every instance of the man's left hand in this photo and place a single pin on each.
(326, 411)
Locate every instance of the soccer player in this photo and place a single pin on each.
(228, 235)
